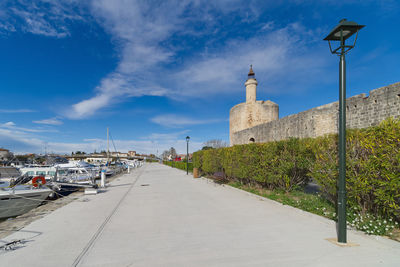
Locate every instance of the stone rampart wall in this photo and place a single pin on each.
(362, 111)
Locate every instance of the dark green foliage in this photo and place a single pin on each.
(276, 165)
(179, 165)
(372, 171)
(373, 166)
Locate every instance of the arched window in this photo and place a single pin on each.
(252, 140)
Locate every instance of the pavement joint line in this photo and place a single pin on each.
(101, 228)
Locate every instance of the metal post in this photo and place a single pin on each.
(103, 178)
(187, 157)
(108, 145)
(342, 238)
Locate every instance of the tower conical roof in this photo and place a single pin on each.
(251, 72)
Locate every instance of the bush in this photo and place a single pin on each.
(276, 165)
(372, 171)
(179, 165)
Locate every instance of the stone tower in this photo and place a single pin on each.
(252, 112)
(251, 87)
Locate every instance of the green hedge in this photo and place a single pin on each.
(373, 166)
(179, 165)
(276, 165)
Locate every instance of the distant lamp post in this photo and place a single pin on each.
(341, 32)
(187, 155)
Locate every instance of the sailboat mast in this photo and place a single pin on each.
(108, 146)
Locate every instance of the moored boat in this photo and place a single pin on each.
(20, 199)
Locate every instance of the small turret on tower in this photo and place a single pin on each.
(251, 74)
(251, 86)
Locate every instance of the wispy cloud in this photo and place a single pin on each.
(12, 126)
(146, 37)
(166, 136)
(16, 110)
(273, 55)
(114, 88)
(143, 30)
(25, 142)
(139, 33)
(274, 51)
(50, 121)
(47, 18)
(172, 120)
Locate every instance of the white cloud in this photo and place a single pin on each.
(47, 18)
(268, 26)
(50, 121)
(143, 32)
(141, 28)
(279, 56)
(16, 110)
(25, 142)
(172, 120)
(18, 141)
(8, 124)
(12, 126)
(166, 137)
(139, 33)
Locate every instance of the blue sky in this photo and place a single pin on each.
(157, 71)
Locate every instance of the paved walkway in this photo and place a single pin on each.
(159, 216)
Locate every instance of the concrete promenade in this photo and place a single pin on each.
(159, 216)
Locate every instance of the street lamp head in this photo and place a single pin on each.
(187, 139)
(345, 28)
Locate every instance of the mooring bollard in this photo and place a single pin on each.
(103, 178)
(195, 173)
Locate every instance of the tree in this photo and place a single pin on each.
(165, 154)
(172, 152)
(215, 143)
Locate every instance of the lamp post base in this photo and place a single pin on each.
(333, 240)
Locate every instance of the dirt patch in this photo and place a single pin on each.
(395, 235)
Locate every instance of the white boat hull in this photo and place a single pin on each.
(21, 201)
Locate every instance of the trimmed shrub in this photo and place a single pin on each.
(276, 165)
(179, 165)
(372, 169)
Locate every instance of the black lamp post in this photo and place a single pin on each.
(187, 155)
(341, 32)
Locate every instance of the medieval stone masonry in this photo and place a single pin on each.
(257, 121)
